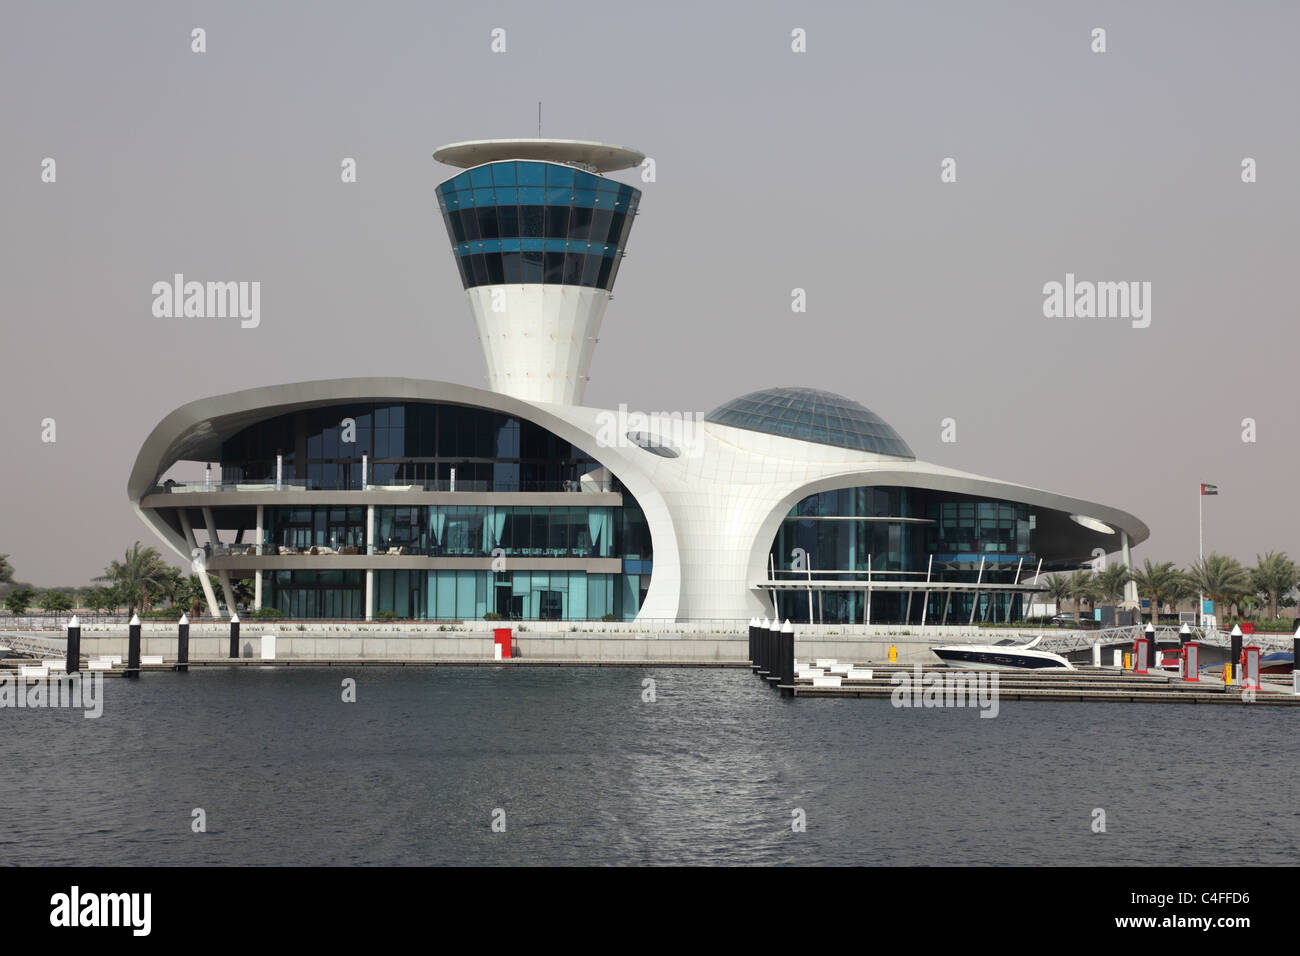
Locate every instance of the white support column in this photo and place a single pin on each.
(370, 529)
(976, 603)
(370, 594)
(868, 588)
(1131, 588)
(257, 573)
(926, 606)
(208, 593)
(211, 526)
(1011, 595)
(226, 591)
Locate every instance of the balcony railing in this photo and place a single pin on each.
(303, 484)
(410, 550)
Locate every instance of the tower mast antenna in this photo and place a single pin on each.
(539, 119)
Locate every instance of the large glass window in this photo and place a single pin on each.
(416, 444)
(490, 228)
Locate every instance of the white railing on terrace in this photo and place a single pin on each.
(397, 484)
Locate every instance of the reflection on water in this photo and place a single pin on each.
(588, 772)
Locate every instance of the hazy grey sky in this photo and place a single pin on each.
(775, 170)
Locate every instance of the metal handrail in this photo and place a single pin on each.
(302, 484)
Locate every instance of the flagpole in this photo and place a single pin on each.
(1200, 533)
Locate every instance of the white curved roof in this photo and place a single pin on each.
(598, 157)
(713, 510)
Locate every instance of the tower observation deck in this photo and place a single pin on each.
(538, 235)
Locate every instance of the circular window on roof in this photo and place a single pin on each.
(647, 442)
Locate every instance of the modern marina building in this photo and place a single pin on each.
(443, 502)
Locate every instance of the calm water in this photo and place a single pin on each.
(589, 773)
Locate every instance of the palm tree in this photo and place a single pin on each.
(1273, 576)
(243, 591)
(192, 595)
(1110, 582)
(138, 573)
(171, 585)
(1057, 587)
(1159, 583)
(1221, 579)
(1082, 588)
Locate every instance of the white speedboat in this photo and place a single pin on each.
(1002, 654)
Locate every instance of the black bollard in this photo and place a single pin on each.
(774, 651)
(1184, 635)
(1234, 656)
(751, 644)
(74, 646)
(787, 659)
(760, 647)
(133, 647)
(234, 636)
(183, 644)
(1152, 657)
(1295, 648)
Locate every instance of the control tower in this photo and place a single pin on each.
(538, 235)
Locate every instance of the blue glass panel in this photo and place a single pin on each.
(491, 245)
(484, 197)
(506, 196)
(510, 245)
(558, 196)
(557, 175)
(554, 245)
(503, 174)
(584, 197)
(460, 182)
(480, 176)
(531, 196)
(532, 174)
(531, 244)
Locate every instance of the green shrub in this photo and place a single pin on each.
(386, 616)
(491, 616)
(268, 613)
(161, 614)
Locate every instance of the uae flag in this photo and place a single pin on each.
(1209, 489)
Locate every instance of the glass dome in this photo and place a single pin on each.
(808, 414)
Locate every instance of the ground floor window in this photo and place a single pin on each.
(330, 595)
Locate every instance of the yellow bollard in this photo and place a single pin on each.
(893, 654)
(1128, 661)
(1227, 674)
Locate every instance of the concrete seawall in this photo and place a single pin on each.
(291, 645)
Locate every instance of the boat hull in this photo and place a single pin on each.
(991, 658)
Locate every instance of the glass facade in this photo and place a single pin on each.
(537, 222)
(461, 531)
(898, 532)
(812, 415)
(406, 443)
(334, 595)
(458, 595)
